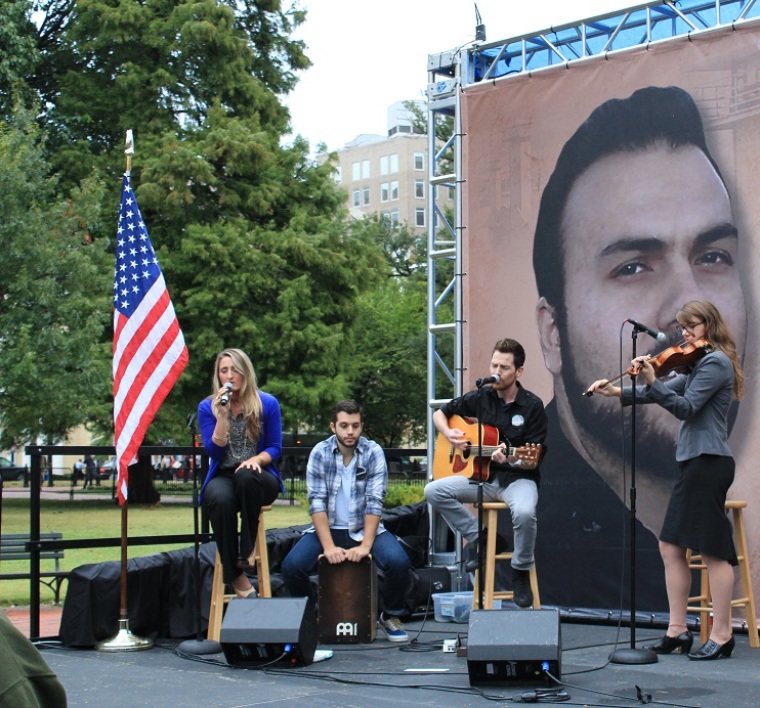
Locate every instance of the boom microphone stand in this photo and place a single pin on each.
(482, 385)
(633, 655)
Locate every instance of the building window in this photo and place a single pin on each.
(356, 171)
(394, 190)
(419, 161)
(419, 188)
(393, 163)
(394, 216)
(384, 165)
(384, 192)
(365, 169)
(338, 174)
(419, 216)
(365, 196)
(356, 197)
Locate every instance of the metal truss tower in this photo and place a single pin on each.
(451, 72)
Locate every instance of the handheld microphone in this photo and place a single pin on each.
(659, 336)
(492, 379)
(225, 397)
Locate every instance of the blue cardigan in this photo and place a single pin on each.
(270, 440)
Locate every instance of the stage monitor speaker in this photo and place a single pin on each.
(269, 630)
(507, 646)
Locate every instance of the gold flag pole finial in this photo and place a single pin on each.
(129, 149)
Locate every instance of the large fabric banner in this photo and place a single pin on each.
(616, 187)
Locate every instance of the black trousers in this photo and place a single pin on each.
(231, 493)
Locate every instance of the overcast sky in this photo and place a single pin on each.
(368, 54)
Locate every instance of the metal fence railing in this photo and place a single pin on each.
(406, 466)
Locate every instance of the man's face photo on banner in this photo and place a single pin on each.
(641, 230)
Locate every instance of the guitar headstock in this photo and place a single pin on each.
(530, 452)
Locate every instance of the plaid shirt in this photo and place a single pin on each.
(368, 486)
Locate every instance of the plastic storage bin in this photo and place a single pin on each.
(452, 606)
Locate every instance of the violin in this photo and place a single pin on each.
(669, 359)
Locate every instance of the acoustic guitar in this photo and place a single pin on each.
(449, 460)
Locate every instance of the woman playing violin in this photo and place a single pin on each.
(695, 519)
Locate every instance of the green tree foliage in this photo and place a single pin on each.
(52, 275)
(249, 231)
(18, 54)
(388, 370)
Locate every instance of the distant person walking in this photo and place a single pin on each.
(91, 472)
(77, 473)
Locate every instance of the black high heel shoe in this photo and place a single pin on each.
(713, 650)
(666, 644)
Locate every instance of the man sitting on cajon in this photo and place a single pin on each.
(346, 481)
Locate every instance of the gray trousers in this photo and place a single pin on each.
(448, 496)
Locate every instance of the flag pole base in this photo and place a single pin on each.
(124, 640)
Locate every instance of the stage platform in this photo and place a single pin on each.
(417, 673)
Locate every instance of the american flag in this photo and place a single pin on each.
(149, 351)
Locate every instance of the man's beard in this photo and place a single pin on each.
(610, 428)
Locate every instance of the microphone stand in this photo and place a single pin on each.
(633, 655)
(198, 646)
(477, 465)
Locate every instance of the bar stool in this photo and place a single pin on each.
(747, 600)
(491, 511)
(219, 598)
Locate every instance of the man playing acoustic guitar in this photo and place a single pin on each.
(514, 422)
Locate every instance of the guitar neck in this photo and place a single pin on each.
(488, 450)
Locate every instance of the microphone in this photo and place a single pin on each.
(659, 336)
(492, 379)
(225, 397)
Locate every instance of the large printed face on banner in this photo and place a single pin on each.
(640, 221)
(618, 188)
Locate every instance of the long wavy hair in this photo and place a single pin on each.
(249, 391)
(716, 332)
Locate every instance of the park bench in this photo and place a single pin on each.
(16, 547)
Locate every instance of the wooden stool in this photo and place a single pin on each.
(747, 601)
(219, 599)
(491, 511)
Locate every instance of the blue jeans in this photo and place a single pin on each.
(387, 552)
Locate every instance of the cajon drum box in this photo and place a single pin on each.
(347, 605)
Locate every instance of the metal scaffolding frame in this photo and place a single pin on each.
(452, 71)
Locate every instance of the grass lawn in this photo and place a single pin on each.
(102, 519)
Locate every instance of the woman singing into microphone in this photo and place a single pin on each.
(241, 428)
(696, 519)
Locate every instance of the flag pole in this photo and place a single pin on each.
(124, 640)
